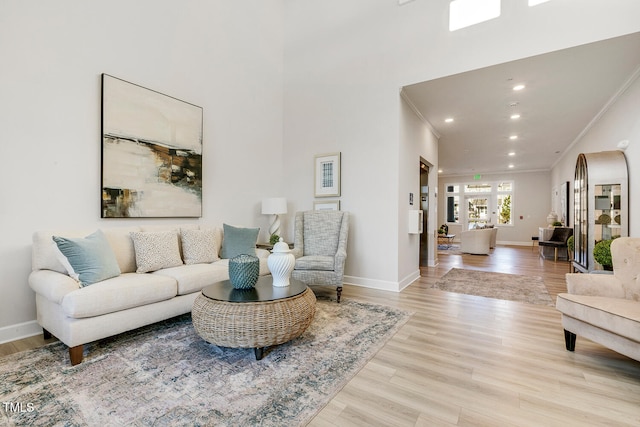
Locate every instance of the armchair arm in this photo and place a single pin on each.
(603, 285)
(340, 259)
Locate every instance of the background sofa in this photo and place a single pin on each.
(605, 308)
(477, 241)
(159, 273)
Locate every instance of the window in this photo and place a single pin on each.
(504, 191)
(453, 204)
(464, 13)
(477, 188)
(482, 203)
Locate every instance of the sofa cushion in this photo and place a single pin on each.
(156, 250)
(194, 277)
(89, 259)
(119, 293)
(315, 262)
(199, 246)
(238, 241)
(120, 240)
(620, 316)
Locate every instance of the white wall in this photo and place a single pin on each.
(224, 56)
(344, 64)
(531, 203)
(279, 80)
(416, 141)
(621, 121)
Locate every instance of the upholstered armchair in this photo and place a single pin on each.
(605, 308)
(477, 242)
(320, 248)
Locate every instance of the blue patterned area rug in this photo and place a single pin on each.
(165, 374)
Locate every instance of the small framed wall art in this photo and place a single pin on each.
(327, 175)
(327, 205)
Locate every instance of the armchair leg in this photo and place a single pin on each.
(75, 354)
(570, 340)
(46, 334)
(339, 293)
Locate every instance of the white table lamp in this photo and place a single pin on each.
(274, 206)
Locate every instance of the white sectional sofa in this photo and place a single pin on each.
(605, 308)
(142, 292)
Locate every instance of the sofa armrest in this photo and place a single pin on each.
(602, 285)
(52, 285)
(262, 253)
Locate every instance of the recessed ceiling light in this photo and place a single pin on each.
(510, 166)
(513, 137)
(512, 153)
(515, 116)
(518, 87)
(448, 120)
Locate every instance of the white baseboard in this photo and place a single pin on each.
(381, 284)
(372, 283)
(19, 331)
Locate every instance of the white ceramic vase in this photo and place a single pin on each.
(281, 263)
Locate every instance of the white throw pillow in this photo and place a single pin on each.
(156, 250)
(199, 246)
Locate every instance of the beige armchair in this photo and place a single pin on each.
(320, 248)
(477, 242)
(605, 308)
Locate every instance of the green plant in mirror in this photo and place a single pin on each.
(557, 224)
(274, 239)
(570, 243)
(602, 253)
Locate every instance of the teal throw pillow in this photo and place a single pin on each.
(91, 258)
(238, 241)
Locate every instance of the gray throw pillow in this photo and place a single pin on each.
(91, 259)
(238, 241)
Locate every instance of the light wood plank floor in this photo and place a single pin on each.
(471, 361)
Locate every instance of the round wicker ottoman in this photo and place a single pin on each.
(256, 318)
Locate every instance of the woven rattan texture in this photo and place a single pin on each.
(253, 324)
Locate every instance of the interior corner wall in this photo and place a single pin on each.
(344, 65)
(417, 142)
(619, 122)
(226, 57)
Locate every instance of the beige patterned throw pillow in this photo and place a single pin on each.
(199, 246)
(156, 250)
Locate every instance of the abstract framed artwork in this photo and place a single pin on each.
(151, 153)
(327, 205)
(327, 175)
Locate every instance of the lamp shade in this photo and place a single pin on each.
(274, 205)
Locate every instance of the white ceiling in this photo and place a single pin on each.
(565, 91)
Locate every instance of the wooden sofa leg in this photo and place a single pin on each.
(75, 354)
(570, 340)
(339, 293)
(46, 334)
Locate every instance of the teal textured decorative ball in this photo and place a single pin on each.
(244, 271)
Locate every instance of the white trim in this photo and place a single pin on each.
(19, 331)
(382, 285)
(598, 116)
(404, 95)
